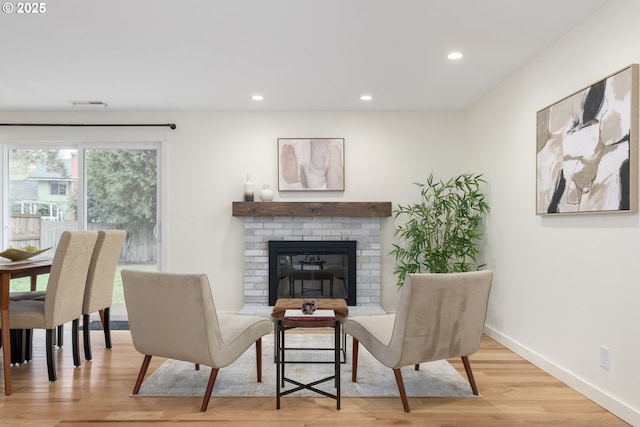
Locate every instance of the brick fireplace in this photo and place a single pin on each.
(306, 221)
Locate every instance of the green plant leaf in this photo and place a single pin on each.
(442, 232)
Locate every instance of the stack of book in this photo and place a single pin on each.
(318, 315)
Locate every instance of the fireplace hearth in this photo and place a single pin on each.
(312, 269)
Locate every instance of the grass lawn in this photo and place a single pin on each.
(23, 284)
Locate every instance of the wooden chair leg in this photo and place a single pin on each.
(21, 345)
(105, 317)
(51, 361)
(86, 339)
(472, 381)
(417, 367)
(75, 341)
(28, 345)
(60, 339)
(207, 393)
(403, 393)
(17, 337)
(354, 361)
(141, 374)
(259, 359)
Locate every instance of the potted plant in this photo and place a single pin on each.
(441, 233)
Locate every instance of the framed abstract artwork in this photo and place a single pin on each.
(311, 164)
(587, 149)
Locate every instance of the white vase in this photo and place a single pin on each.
(248, 190)
(266, 194)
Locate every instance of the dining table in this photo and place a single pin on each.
(14, 270)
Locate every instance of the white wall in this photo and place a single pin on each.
(564, 285)
(208, 156)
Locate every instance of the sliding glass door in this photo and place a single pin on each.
(121, 188)
(52, 189)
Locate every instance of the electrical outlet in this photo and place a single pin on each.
(605, 362)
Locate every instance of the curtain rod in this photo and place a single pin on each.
(170, 125)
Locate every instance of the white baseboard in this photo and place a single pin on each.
(608, 402)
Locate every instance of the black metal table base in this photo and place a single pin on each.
(343, 350)
(281, 362)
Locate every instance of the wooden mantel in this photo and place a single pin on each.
(344, 209)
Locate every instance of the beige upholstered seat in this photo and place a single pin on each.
(173, 316)
(98, 293)
(439, 316)
(64, 294)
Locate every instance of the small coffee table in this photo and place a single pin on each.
(282, 325)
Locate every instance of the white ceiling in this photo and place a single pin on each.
(299, 54)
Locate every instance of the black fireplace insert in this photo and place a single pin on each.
(312, 269)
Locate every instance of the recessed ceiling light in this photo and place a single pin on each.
(257, 97)
(454, 55)
(366, 97)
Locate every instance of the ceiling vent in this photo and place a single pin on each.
(89, 105)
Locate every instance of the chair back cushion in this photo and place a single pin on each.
(98, 293)
(440, 316)
(68, 276)
(171, 315)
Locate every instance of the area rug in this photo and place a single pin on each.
(116, 325)
(177, 378)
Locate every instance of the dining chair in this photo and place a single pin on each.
(439, 316)
(64, 295)
(98, 293)
(174, 316)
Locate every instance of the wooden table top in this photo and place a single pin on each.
(338, 305)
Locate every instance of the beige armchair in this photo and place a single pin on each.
(63, 298)
(174, 316)
(439, 316)
(98, 293)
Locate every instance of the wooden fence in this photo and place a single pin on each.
(25, 230)
(139, 247)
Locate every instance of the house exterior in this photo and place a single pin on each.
(46, 192)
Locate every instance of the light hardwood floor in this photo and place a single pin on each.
(513, 393)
